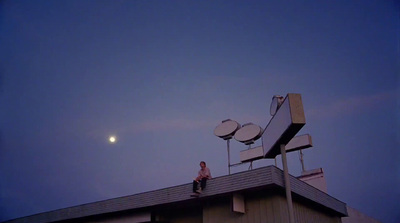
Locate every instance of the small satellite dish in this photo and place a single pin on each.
(226, 129)
(277, 101)
(248, 133)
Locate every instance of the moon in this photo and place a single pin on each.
(112, 139)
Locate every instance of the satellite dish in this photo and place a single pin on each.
(226, 129)
(277, 101)
(248, 133)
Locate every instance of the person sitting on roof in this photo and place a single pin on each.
(203, 176)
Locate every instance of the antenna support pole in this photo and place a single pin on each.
(229, 157)
(287, 184)
(302, 161)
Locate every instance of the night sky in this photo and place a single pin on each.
(161, 75)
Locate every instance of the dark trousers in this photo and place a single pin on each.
(202, 184)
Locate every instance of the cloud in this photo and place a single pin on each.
(351, 105)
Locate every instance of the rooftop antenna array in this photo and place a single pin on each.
(278, 137)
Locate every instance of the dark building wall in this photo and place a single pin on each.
(263, 207)
(192, 214)
(260, 206)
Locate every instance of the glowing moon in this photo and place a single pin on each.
(112, 139)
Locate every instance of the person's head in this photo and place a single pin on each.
(202, 164)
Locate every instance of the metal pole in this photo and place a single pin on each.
(287, 184)
(302, 161)
(229, 157)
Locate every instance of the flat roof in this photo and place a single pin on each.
(264, 177)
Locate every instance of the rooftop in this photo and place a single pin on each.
(269, 177)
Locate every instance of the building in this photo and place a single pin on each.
(253, 196)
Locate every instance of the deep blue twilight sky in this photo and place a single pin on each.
(161, 75)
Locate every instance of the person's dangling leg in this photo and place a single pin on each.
(195, 185)
(203, 183)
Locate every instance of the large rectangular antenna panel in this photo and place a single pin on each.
(284, 125)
